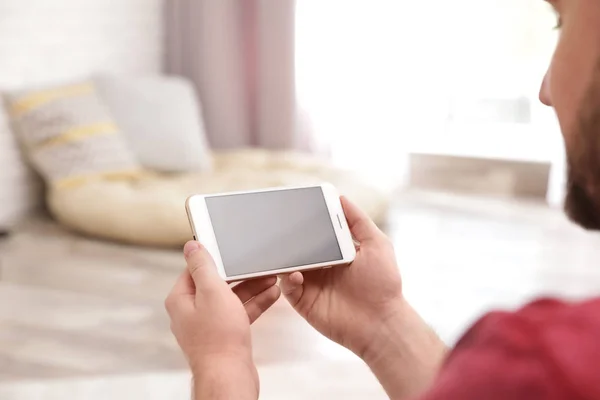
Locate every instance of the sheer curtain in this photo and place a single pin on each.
(240, 56)
(381, 78)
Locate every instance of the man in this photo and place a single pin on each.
(547, 350)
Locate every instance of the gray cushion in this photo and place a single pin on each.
(160, 118)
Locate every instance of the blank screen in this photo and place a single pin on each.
(264, 231)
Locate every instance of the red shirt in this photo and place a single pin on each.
(547, 350)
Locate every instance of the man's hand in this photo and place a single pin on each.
(362, 308)
(211, 322)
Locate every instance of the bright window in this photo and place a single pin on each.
(380, 78)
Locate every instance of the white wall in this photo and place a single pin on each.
(48, 41)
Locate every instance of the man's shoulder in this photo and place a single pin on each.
(539, 318)
(548, 348)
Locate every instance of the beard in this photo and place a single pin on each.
(580, 207)
(582, 202)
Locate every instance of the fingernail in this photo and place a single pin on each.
(190, 248)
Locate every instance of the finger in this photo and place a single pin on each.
(292, 287)
(248, 289)
(261, 302)
(201, 266)
(184, 284)
(361, 226)
(182, 294)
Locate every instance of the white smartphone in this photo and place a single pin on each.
(272, 231)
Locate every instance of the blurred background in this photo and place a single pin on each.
(425, 113)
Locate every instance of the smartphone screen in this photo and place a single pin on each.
(264, 231)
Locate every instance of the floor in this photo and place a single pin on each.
(83, 319)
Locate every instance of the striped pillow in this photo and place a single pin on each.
(69, 135)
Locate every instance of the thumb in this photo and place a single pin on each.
(201, 266)
(360, 224)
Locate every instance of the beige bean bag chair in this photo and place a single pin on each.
(96, 143)
(150, 210)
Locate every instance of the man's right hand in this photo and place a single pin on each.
(362, 308)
